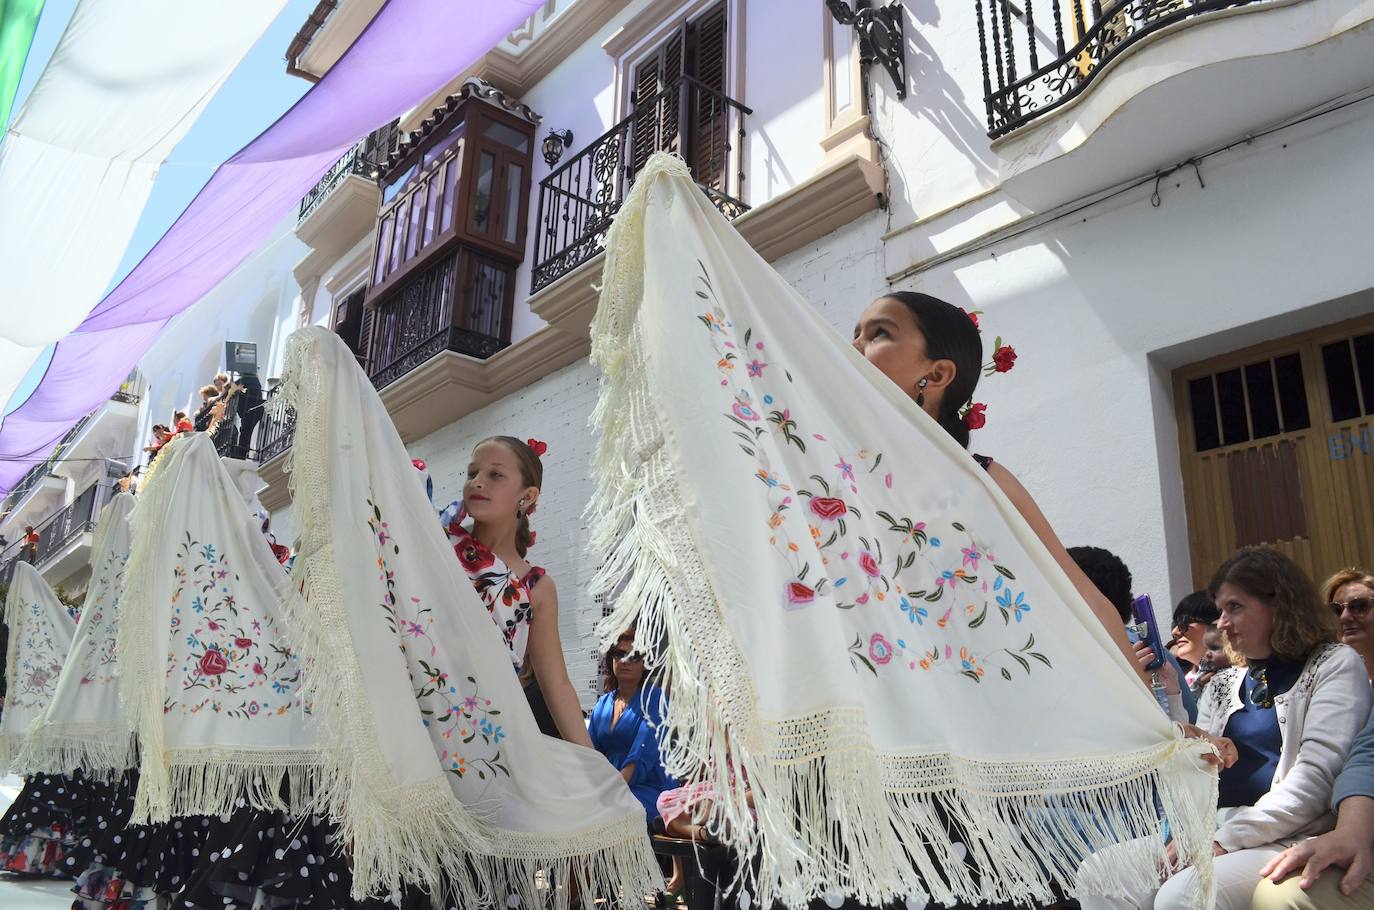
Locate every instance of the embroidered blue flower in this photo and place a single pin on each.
(916, 614)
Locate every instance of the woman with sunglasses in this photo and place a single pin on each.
(623, 723)
(1290, 708)
(1350, 592)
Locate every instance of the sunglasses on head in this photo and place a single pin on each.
(1359, 607)
(627, 657)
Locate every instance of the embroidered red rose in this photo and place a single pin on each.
(976, 417)
(1004, 359)
(828, 507)
(243, 642)
(212, 663)
(868, 564)
(798, 593)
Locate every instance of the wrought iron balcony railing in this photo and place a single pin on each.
(578, 200)
(1087, 34)
(125, 397)
(67, 523)
(461, 303)
(363, 160)
(36, 473)
(277, 427)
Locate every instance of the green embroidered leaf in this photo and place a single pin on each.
(1025, 664)
(1006, 674)
(748, 333)
(934, 596)
(971, 675)
(958, 527)
(1005, 572)
(703, 295)
(1042, 658)
(980, 618)
(802, 574)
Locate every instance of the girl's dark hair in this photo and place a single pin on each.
(1196, 607)
(532, 474)
(950, 335)
(1301, 620)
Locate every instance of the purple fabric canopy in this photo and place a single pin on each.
(410, 50)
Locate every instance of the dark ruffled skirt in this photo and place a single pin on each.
(39, 828)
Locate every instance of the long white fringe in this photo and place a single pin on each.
(835, 817)
(92, 749)
(417, 834)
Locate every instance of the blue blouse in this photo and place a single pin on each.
(633, 741)
(1255, 731)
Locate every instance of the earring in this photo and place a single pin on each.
(921, 394)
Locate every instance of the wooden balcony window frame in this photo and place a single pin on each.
(473, 116)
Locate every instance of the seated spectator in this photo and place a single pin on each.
(1214, 659)
(685, 812)
(1111, 576)
(208, 396)
(1289, 711)
(1350, 592)
(624, 721)
(1334, 866)
(1193, 616)
(181, 423)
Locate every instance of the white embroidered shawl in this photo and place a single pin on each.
(855, 616)
(40, 634)
(440, 775)
(83, 727)
(211, 681)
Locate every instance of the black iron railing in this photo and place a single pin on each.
(277, 427)
(458, 303)
(126, 397)
(578, 200)
(1075, 38)
(67, 523)
(363, 160)
(36, 473)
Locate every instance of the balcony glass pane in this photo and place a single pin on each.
(515, 181)
(481, 192)
(508, 136)
(383, 247)
(436, 192)
(417, 215)
(398, 241)
(450, 198)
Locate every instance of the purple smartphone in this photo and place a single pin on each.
(1149, 628)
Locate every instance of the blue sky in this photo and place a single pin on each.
(258, 92)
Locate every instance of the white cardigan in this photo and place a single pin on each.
(1318, 720)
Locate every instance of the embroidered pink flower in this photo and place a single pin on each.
(257, 669)
(755, 367)
(971, 557)
(243, 642)
(214, 626)
(212, 663)
(799, 593)
(744, 412)
(868, 564)
(846, 469)
(828, 507)
(879, 649)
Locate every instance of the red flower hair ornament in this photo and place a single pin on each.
(538, 447)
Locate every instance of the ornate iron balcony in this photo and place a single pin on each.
(578, 200)
(126, 397)
(365, 159)
(277, 427)
(1013, 40)
(461, 302)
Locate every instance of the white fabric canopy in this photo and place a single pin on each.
(914, 714)
(83, 727)
(40, 630)
(124, 85)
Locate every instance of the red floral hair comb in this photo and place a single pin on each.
(538, 447)
(975, 413)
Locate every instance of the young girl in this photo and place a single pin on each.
(502, 489)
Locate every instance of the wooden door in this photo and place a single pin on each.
(1277, 448)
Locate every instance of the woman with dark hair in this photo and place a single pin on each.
(623, 724)
(933, 351)
(1193, 616)
(1290, 707)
